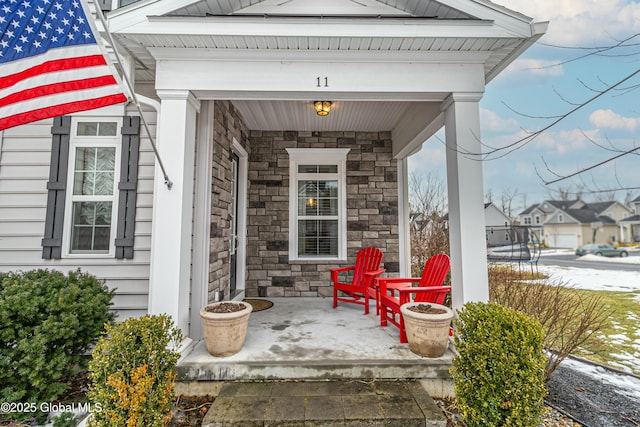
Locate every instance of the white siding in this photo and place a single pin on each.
(24, 172)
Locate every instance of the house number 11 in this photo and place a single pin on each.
(319, 81)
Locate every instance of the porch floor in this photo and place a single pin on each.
(305, 338)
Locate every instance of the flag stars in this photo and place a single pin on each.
(60, 30)
(75, 28)
(15, 24)
(86, 35)
(21, 13)
(4, 44)
(42, 35)
(17, 48)
(28, 29)
(65, 21)
(75, 4)
(70, 36)
(24, 39)
(58, 6)
(37, 44)
(35, 20)
(26, 4)
(71, 13)
(40, 10)
(47, 25)
(52, 16)
(6, 9)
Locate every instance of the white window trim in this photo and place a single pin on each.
(91, 141)
(318, 156)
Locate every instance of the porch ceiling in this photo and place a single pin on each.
(362, 116)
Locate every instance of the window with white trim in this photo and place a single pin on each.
(537, 219)
(317, 204)
(94, 157)
(527, 220)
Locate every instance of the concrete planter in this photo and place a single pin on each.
(224, 333)
(427, 333)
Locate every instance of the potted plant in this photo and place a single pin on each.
(427, 327)
(225, 326)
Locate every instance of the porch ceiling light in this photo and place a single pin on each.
(322, 107)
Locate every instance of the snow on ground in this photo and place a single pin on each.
(599, 280)
(607, 280)
(623, 384)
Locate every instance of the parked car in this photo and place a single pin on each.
(601, 250)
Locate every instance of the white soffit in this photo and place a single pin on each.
(396, 8)
(321, 8)
(361, 116)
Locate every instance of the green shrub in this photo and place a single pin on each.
(132, 371)
(48, 321)
(499, 369)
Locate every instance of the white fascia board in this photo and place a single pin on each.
(292, 77)
(322, 56)
(138, 12)
(318, 27)
(500, 15)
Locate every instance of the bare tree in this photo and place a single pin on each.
(506, 199)
(429, 231)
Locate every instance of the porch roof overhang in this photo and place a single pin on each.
(483, 37)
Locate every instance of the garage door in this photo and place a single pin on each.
(563, 240)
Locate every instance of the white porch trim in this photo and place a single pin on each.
(469, 276)
(202, 218)
(243, 185)
(170, 270)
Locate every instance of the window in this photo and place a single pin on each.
(560, 218)
(92, 201)
(317, 220)
(90, 207)
(527, 220)
(537, 219)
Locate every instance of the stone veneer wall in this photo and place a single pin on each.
(372, 209)
(228, 125)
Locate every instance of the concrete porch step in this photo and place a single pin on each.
(344, 403)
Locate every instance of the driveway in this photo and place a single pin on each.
(566, 258)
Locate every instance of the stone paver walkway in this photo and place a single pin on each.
(324, 403)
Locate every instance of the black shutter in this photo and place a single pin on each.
(128, 187)
(57, 186)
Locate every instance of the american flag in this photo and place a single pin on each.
(51, 63)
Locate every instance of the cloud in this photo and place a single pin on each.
(582, 22)
(538, 67)
(608, 119)
(491, 121)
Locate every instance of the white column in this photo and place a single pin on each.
(466, 199)
(404, 233)
(169, 282)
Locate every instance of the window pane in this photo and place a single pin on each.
(97, 128)
(318, 237)
(317, 168)
(91, 226)
(328, 168)
(107, 129)
(318, 198)
(87, 129)
(94, 171)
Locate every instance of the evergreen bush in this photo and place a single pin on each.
(132, 372)
(499, 369)
(48, 321)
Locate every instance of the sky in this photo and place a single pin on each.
(555, 75)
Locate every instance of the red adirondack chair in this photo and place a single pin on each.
(365, 270)
(393, 292)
